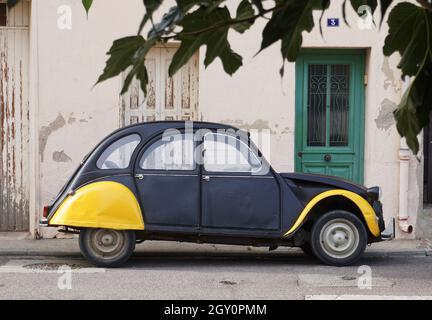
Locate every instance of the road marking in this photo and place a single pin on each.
(53, 265)
(364, 297)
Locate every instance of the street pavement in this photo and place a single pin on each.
(54, 269)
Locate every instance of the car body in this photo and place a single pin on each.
(207, 183)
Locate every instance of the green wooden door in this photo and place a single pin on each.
(330, 113)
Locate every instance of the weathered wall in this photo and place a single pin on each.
(72, 116)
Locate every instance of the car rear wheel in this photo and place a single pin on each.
(338, 238)
(107, 247)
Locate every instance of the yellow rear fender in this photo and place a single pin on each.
(365, 208)
(103, 204)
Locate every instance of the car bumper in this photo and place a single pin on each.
(389, 231)
(43, 222)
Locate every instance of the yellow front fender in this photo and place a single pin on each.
(365, 208)
(104, 204)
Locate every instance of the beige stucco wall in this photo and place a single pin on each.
(70, 116)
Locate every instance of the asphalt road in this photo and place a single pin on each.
(200, 275)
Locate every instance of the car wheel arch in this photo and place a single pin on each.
(100, 204)
(337, 200)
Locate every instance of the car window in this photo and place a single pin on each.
(119, 153)
(226, 153)
(171, 152)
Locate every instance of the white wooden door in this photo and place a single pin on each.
(14, 117)
(167, 98)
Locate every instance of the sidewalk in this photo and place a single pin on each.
(70, 247)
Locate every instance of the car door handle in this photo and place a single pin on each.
(139, 176)
(206, 178)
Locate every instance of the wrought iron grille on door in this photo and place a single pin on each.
(328, 105)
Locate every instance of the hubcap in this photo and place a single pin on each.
(106, 243)
(339, 238)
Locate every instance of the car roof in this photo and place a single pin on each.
(156, 126)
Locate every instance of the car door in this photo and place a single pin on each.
(167, 180)
(239, 191)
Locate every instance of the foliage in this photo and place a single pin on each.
(197, 23)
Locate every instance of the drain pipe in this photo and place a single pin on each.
(404, 157)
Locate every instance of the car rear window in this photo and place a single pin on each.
(119, 153)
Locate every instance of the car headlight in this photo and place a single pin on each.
(374, 192)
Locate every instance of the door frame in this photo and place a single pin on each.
(357, 56)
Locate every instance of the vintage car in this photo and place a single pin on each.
(208, 183)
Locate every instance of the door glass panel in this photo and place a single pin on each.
(119, 153)
(224, 153)
(316, 105)
(339, 104)
(171, 152)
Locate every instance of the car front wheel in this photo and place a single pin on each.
(338, 238)
(107, 247)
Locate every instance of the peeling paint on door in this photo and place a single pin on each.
(14, 120)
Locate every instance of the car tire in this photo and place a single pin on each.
(338, 238)
(107, 248)
(307, 249)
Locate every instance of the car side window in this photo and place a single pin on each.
(171, 152)
(119, 153)
(226, 153)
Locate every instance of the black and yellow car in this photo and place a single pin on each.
(208, 183)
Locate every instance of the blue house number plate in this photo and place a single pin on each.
(333, 22)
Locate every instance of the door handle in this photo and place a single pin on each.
(300, 154)
(206, 178)
(139, 176)
(327, 157)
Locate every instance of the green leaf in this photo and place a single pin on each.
(244, 11)
(124, 53)
(259, 5)
(151, 6)
(12, 3)
(413, 111)
(288, 23)
(410, 34)
(409, 27)
(186, 5)
(121, 54)
(87, 5)
(385, 4)
(206, 28)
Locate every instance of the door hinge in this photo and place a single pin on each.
(365, 79)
